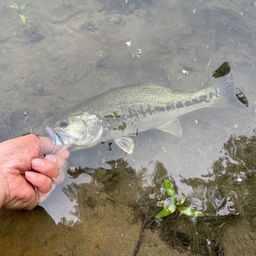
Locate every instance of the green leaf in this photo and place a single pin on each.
(170, 191)
(23, 6)
(166, 211)
(15, 6)
(182, 200)
(190, 212)
(23, 18)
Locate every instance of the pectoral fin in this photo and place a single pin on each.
(173, 127)
(125, 143)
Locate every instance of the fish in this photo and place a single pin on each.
(123, 112)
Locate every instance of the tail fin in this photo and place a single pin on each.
(222, 81)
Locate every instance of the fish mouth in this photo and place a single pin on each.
(55, 137)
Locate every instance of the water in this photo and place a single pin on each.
(69, 51)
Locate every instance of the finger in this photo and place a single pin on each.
(46, 145)
(62, 164)
(45, 167)
(51, 166)
(42, 182)
(64, 153)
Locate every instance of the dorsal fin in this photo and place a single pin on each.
(160, 78)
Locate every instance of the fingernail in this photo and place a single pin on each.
(31, 175)
(51, 158)
(37, 163)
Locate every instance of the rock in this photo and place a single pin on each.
(37, 37)
(246, 237)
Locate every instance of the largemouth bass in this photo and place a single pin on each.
(123, 112)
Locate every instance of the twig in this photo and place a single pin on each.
(141, 233)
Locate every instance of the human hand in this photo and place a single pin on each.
(25, 179)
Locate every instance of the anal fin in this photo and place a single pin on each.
(173, 127)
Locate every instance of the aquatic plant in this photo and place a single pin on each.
(171, 208)
(103, 158)
(19, 9)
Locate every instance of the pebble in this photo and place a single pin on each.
(246, 237)
(39, 87)
(252, 236)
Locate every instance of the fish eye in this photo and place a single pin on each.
(63, 123)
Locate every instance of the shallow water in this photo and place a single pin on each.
(73, 50)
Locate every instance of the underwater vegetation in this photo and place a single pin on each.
(19, 9)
